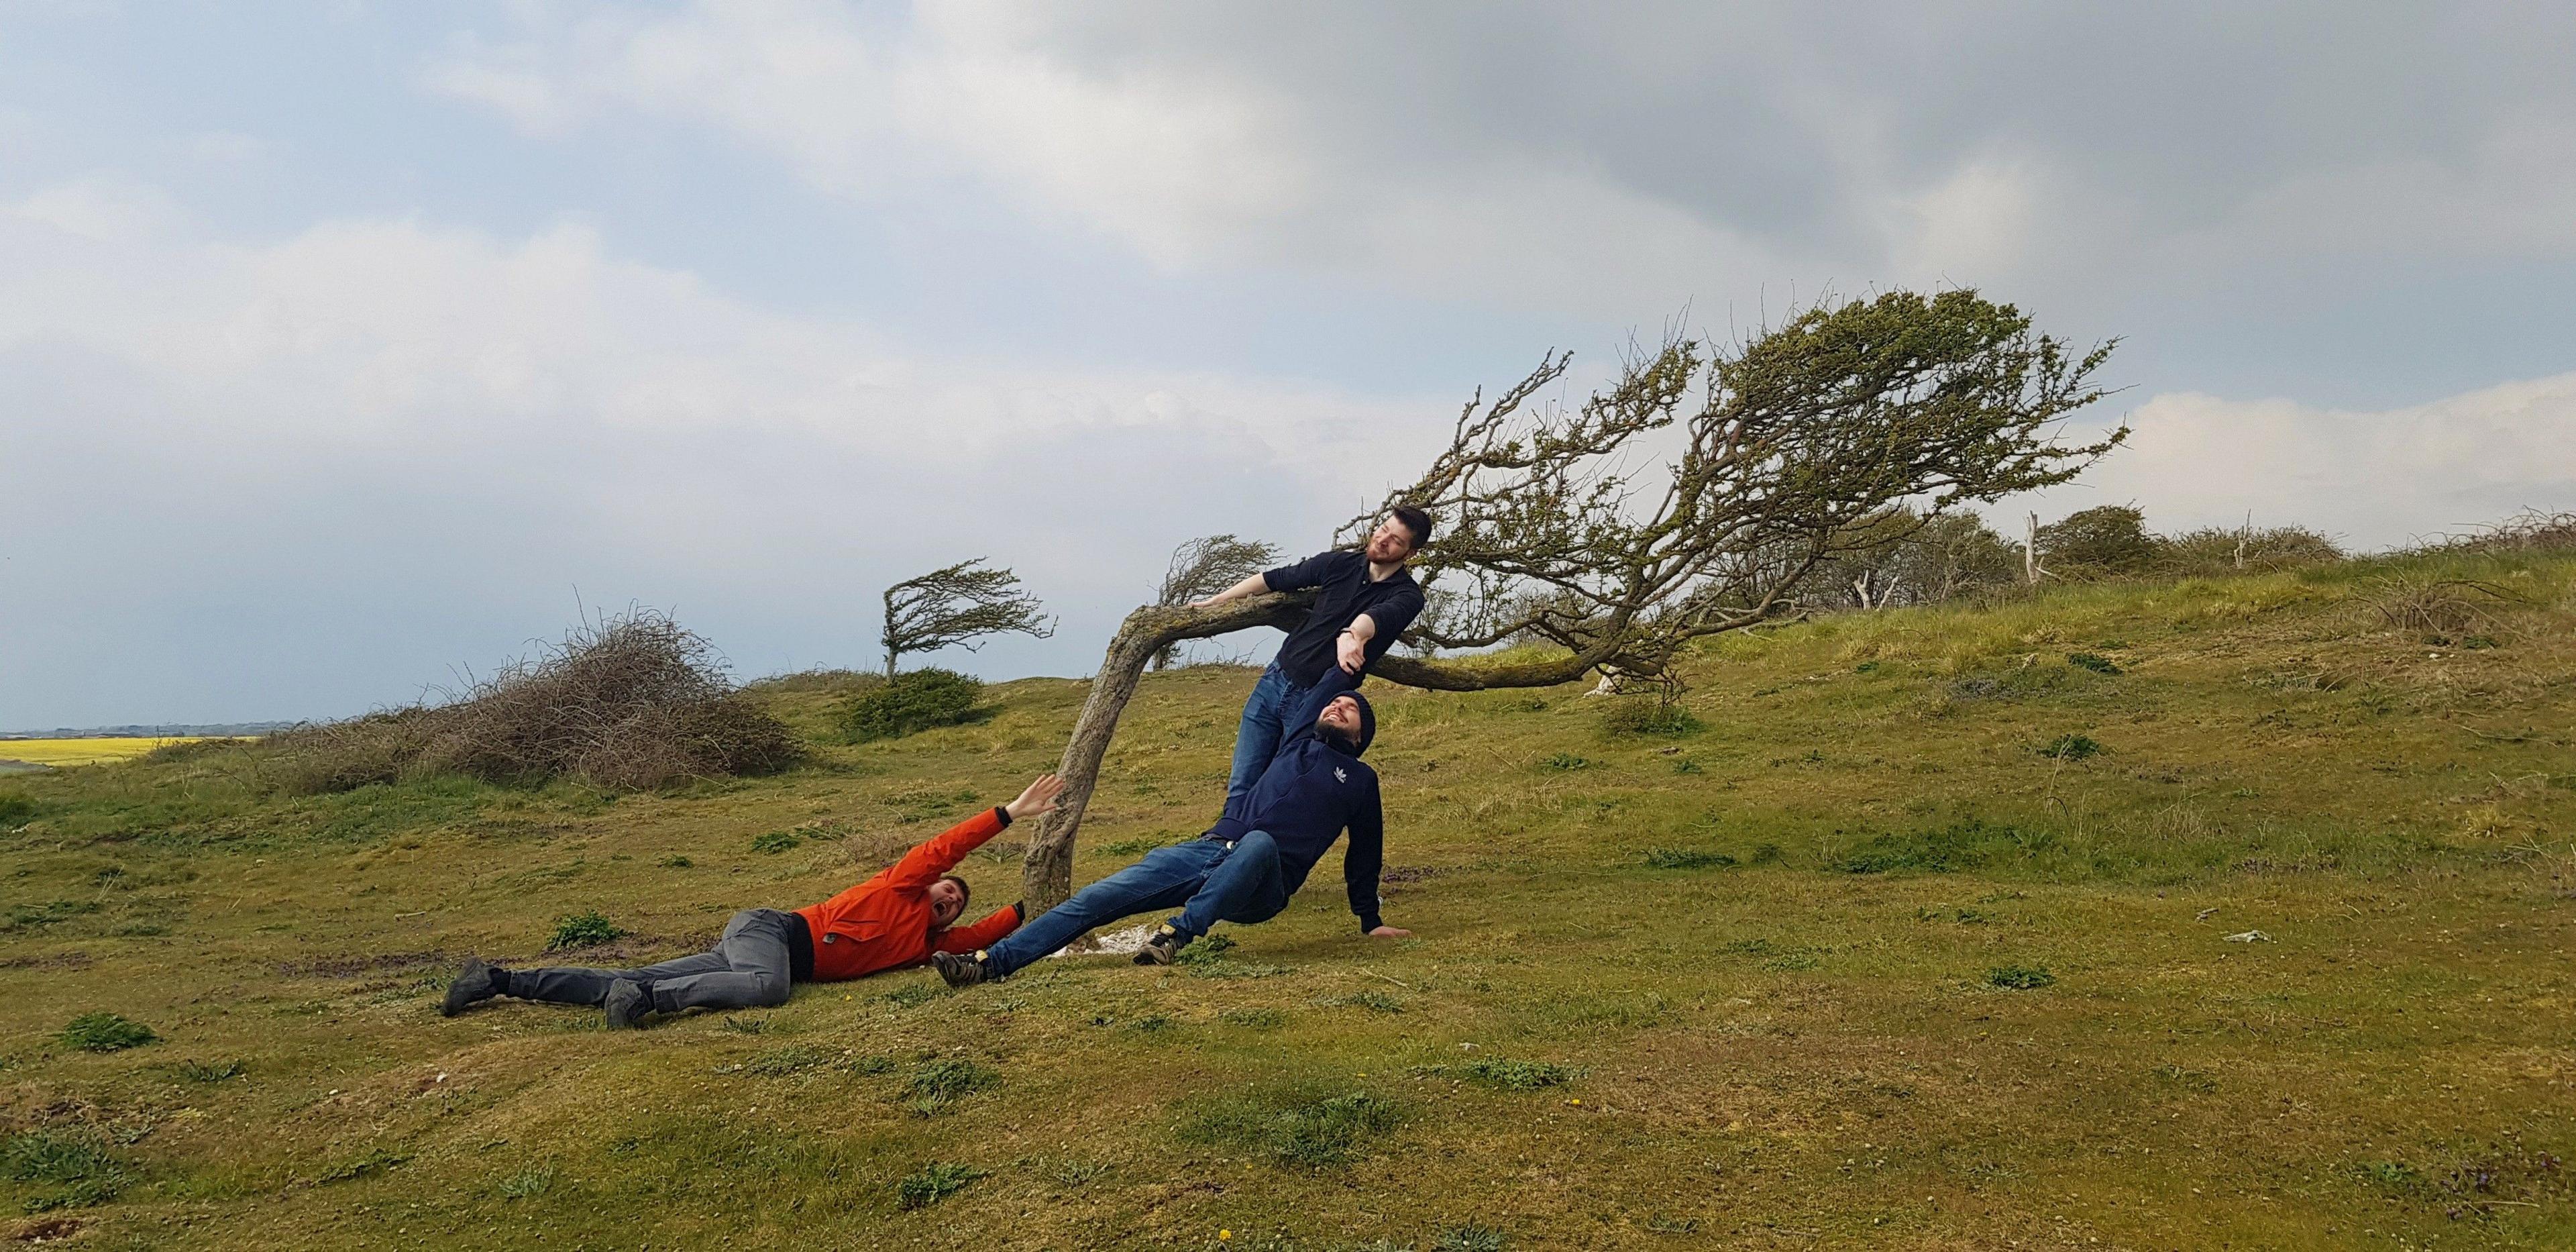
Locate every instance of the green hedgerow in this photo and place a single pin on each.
(106, 1032)
(583, 930)
(913, 701)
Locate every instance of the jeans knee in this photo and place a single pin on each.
(1259, 847)
(770, 990)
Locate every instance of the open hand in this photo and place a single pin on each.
(1390, 932)
(1039, 800)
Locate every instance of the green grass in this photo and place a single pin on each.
(583, 930)
(1807, 1048)
(105, 1032)
(935, 1182)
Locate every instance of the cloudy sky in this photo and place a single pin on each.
(348, 345)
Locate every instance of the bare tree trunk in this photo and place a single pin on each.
(2243, 537)
(2030, 552)
(1046, 875)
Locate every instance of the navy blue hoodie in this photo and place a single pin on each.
(1314, 787)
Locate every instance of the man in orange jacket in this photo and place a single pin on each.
(893, 920)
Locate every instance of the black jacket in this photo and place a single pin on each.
(1314, 788)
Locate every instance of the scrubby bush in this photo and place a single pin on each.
(634, 701)
(2528, 531)
(2110, 539)
(2214, 550)
(912, 701)
(2440, 610)
(1518, 1075)
(190, 749)
(838, 682)
(583, 930)
(1648, 717)
(15, 811)
(106, 1032)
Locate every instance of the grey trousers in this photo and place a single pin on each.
(747, 969)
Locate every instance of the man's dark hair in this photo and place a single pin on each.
(1416, 521)
(965, 894)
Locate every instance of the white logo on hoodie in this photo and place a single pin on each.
(1340, 774)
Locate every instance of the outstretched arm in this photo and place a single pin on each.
(1361, 862)
(925, 863)
(983, 934)
(1253, 586)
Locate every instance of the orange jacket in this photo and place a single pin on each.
(884, 923)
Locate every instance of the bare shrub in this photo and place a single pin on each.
(2528, 531)
(2439, 609)
(634, 701)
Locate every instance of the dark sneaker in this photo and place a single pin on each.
(474, 983)
(961, 970)
(627, 1004)
(1165, 945)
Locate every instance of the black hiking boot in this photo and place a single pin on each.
(960, 970)
(627, 1003)
(1163, 947)
(474, 983)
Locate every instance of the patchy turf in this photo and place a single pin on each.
(1846, 959)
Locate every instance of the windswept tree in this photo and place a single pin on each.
(960, 605)
(1203, 567)
(1692, 496)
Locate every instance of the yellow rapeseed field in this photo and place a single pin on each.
(82, 751)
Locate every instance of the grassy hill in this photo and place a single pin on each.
(1922, 938)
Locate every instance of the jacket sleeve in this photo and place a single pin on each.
(1363, 857)
(982, 934)
(1306, 573)
(924, 864)
(1392, 615)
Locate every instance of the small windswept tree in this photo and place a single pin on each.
(1694, 495)
(1203, 567)
(960, 605)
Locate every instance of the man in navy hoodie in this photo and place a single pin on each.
(1245, 867)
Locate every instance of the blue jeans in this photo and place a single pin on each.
(1256, 740)
(1208, 879)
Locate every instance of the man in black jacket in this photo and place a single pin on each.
(1363, 600)
(1246, 866)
